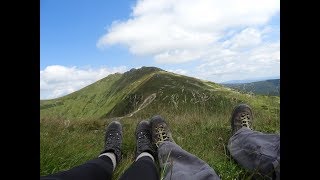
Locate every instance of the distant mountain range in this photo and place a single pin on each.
(250, 80)
(266, 87)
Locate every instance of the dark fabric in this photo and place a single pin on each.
(101, 169)
(143, 169)
(97, 169)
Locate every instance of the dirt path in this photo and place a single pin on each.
(145, 103)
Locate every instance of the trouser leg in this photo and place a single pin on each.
(256, 151)
(142, 169)
(180, 164)
(99, 169)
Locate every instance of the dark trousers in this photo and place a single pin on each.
(101, 169)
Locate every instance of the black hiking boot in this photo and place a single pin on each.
(143, 138)
(241, 117)
(160, 131)
(113, 139)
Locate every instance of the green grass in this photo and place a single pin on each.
(198, 113)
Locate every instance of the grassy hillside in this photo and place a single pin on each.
(267, 87)
(97, 99)
(72, 127)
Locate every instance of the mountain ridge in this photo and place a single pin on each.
(119, 94)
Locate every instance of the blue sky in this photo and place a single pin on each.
(70, 30)
(82, 41)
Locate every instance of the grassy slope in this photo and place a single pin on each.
(95, 100)
(197, 111)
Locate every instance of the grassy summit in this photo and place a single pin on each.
(72, 127)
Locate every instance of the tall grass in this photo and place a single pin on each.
(198, 113)
(202, 131)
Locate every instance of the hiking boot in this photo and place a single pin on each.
(113, 139)
(143, 138)
(241, 117)
(160, 131)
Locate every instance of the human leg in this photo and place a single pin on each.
(176, 162)
(255, 151)
(101, 167)
(144, 167)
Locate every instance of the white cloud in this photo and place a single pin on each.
(178, 30)
(228, 39)
(261, 61)
(56, 80)
(247, 38)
